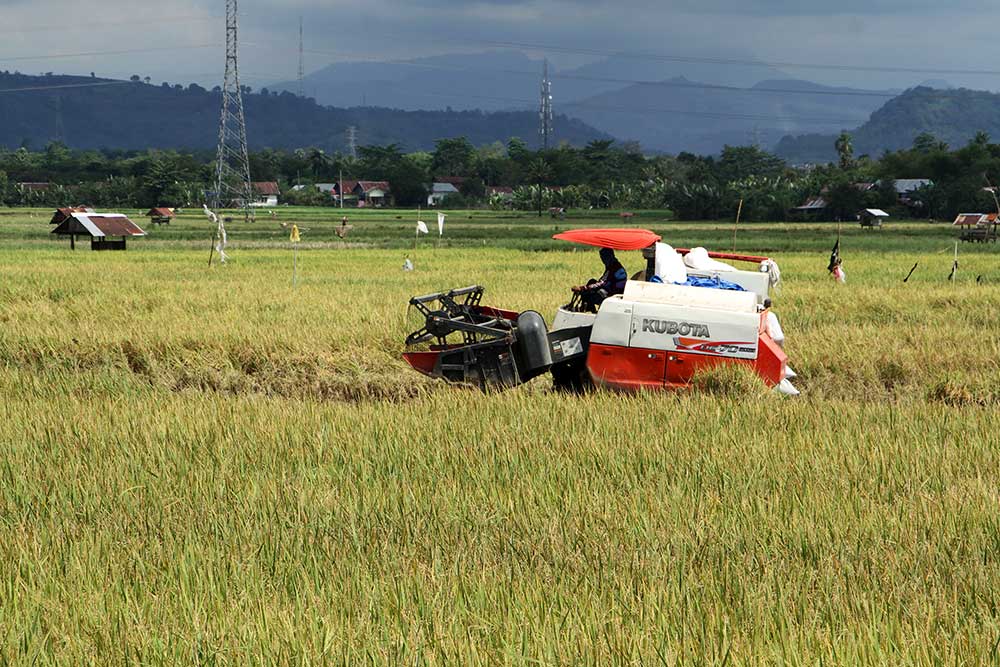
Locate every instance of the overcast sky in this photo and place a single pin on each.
(914, 34)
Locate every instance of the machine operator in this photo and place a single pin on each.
(611, 282)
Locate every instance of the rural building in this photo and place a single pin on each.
(266, 193)
(102, 228)
(160, 216)
(872, 217)
(62, 213)
(812, 207)
(457, 181)
(438, 191)
(348, 195)
(977, 227)
(906, 189)
(33, 187)
(373, 194)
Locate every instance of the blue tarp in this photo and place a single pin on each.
(711, 283)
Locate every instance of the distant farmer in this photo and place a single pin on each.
(610, 283)
(773, 328)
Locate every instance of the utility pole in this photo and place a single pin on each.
(545, 111)
(302, 62)
(341, 188)
(352, 141)
(232, 168)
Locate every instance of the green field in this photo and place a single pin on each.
(209, 466)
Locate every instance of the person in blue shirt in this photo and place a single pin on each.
(611, 282)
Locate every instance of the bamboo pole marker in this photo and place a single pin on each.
(739, 212)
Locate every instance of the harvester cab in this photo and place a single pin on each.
(694, 312)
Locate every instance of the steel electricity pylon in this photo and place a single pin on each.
(233, 187)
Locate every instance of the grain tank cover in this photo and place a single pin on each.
(696, 297)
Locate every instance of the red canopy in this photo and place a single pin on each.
(616, 239)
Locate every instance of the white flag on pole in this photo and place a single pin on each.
(441, 217)
(422, 227)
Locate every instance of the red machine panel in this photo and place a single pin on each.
(626, 367)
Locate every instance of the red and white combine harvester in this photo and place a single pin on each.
(656, 335)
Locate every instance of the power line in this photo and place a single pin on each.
(105, 24)
(736, 61)
(640, 110)
(68, 85)
(638, 82)
(510, 100)
(660, 57)
(122, 52)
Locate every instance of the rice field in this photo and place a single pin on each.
(211, 466)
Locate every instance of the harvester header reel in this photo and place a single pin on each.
(457, 311)
(475, 344)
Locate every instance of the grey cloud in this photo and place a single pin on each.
(852, 32)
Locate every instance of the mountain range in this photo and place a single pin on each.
(496, 80)
(681, 115)
(492, 101)
(88, 112)
(953, 116)
(667, 105)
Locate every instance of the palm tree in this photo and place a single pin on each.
(845, 149)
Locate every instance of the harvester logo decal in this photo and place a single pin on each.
(712, 347)
(675, 328)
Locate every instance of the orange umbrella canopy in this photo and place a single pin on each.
(616, 239)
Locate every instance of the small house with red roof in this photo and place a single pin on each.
(62, 213)
(160, 215)
(977, 227)
(266, 193)
(107, 231)
(374, 194)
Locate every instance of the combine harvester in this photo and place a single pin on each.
(656, 335)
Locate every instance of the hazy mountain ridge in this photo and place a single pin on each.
(132, 115)
(680, 104)
(683, 115)
(954, 116)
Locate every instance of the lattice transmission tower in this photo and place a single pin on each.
(352, 142)
(545, 111)
(302, 62)
(233, 187)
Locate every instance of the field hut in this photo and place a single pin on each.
(977, 227)
(373, 194)
(160, 216)
(266, 193)
(62, 214)
(107, 231)
(871, 218)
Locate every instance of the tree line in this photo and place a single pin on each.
(601, 174)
